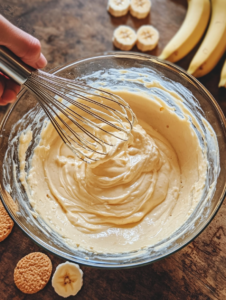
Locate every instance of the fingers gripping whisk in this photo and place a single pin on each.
(90, 121)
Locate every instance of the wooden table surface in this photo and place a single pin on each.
(72, 29)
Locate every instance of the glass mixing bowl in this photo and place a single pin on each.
(106, 70)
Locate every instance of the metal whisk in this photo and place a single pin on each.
(90, 121)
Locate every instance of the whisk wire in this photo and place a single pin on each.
(66, 138)
(81, 118)
(62, 98)
(44, 97)
(80, 105)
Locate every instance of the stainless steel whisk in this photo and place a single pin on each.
(79, 113)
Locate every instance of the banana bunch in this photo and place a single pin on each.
(190, 32)
(214, 43)
(138, 8)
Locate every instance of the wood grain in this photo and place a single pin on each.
(72, 29)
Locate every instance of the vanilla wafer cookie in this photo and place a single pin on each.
(6, 223)
(33, 272)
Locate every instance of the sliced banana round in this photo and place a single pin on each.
(118, 8)
(67, 279)
(140, 8)
(147, 38)
(124, 37)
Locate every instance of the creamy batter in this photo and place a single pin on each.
(133, 199)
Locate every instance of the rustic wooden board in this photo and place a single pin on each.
(70, 30)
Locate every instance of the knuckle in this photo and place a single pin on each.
(33, 49)
(36, 46)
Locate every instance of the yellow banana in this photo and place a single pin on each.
(223, 76)
(214, 43)
(190, 32)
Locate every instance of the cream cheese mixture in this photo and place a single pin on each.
(133, 199)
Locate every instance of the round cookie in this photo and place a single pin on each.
(6, 223)
(32, 272)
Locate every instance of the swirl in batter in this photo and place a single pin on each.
(136, 197)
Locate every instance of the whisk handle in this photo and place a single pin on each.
(12, 66)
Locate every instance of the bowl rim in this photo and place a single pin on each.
(172, 67)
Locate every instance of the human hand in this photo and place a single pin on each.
(25, 46)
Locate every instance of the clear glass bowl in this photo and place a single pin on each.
(100, 71)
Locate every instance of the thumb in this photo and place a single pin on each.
(22, 44)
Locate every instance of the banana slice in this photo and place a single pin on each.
(147, 38)
(124, 37)
(118, 8)
(140, 8)
(67, 279)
